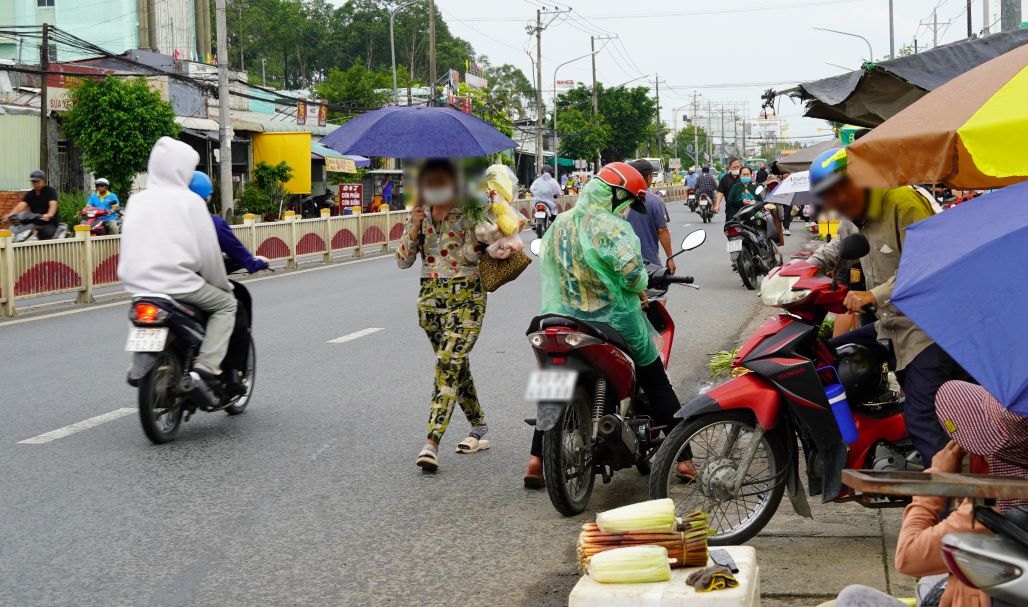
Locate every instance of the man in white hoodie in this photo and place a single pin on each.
(169, 245)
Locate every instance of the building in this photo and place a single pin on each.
(178, 28)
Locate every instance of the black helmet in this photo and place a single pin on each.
(860, 371)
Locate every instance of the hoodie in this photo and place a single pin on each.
(168, 241)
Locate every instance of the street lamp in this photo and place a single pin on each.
(674, 122)
(392, 43)
(866, 41)
(556, 137)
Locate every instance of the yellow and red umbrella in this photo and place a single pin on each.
(970, 133)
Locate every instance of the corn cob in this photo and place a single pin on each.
(633, 565)
(650, 516)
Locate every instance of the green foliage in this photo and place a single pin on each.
(689, 136)
(68, 206)
(357, 87)
(265, 195)
(581, 134)
(826, 330)
(115, 123)
(628, 114)
(266, 175)
(720, 365)
(483, 107)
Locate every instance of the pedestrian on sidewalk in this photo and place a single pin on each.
(451, 304)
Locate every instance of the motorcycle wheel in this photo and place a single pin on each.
(240, 402)
(747, 268)
(160, 411)
(567, 458)
(540, 228)
(718, 441)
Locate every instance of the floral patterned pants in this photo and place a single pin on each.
(451, 313)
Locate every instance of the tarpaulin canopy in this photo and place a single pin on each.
(800, 160)
(870, 96)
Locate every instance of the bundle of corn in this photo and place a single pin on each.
(654, 516)
(634, 565)
(686, 543)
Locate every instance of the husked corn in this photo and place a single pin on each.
(632, 565)
(655, 516)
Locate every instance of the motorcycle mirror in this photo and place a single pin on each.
(694, 240)
(536, 246)
(854, 247)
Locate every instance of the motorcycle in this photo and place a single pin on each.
(542, 219)
(310, 206)
(789, 387)
(96, 219)
(691, 199)
(594, 417)
(751, 235)
(164, 340)
(995, 564)
(23, 227)
(706, 208)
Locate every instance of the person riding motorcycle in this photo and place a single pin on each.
(882, 216)
(545, 189)
(592, 268)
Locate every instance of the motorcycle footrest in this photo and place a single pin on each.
(530, 421)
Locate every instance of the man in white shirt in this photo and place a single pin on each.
(169, 245)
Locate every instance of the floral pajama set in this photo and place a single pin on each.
(451, 308)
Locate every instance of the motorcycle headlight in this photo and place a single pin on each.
(778, 290)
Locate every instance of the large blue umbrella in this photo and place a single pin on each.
(417, 132)
(963, 279)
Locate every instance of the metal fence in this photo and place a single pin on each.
(80, 264)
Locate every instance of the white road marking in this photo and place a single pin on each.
(85, 424)
(354, 335)
(688, 225)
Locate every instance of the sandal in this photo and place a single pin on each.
(534, 476)
(427, 461)
(472, 444)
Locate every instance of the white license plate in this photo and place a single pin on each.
(146, 340)
(704, 202)
(540, 214)
(551, 385)
(734, 246)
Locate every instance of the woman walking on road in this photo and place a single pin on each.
(741, 194)
(451, 305)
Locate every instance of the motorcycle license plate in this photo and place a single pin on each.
(146, 340)
(551, 385)
(734, 246)
(540, 214)
(704, 202)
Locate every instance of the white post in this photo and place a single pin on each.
(290, 217)
(7, 273)
(85, 265)
(326, 216)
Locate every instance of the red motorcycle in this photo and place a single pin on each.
(96, 219)
(791, 396)
(594, 417)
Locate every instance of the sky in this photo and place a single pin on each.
(723, 50)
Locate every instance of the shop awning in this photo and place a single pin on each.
(336, 162)
(869, 96)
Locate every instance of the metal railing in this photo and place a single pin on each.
(80, 264)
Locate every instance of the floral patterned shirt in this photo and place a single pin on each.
(451, 249)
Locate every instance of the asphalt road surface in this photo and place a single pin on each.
(311, 497)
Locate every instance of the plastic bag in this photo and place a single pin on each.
(592, 268)
(505, 247)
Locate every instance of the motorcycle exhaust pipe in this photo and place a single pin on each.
(618, 437)
(197, 389)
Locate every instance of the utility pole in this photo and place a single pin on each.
(224, 120)
(431, 48)
(710, 130)
(695, 131)
(596, 94)
(538, 31)
(660, 142)
(44, 101)
(722, 129)
(935, 28)
(1010, 15)
(970, 27)
(264, 77)
(892, 33)
(985, 17)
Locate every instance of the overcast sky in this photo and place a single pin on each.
(708, 46)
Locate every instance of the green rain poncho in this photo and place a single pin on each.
(592, 268)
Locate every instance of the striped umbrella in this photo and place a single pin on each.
(970, 133)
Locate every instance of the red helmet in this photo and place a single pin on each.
(624, 177)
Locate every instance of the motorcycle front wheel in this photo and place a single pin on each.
(747, 268)
(568, 458)
(160, 410)
(718, 442)
(250, 377)
(540, 227)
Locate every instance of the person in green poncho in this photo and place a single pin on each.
(592, 268)
(742, 194)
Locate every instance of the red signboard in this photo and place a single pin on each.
(351, 194)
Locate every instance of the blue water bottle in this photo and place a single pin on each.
(836, 394)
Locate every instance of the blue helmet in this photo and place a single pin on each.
(201, 185)
(827, 170)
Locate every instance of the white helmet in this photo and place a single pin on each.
(102, 181)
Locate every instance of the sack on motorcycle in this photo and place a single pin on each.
(497, 272)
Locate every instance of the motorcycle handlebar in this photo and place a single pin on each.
(685, 280)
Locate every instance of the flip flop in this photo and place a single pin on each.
(472, 444)
(534, 481)
(427, 461)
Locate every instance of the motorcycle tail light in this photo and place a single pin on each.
(976, 570)
(540, 207)
(732, 231)
(575, 340)
(147, 313)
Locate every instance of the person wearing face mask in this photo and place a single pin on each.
(451, 304)
(728, 181)
(742, 194)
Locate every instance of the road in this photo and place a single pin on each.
(311, 497)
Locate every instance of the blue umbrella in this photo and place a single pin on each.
(417, 132)
(963, 279)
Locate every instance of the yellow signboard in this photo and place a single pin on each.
(292, 148)
(340, 165)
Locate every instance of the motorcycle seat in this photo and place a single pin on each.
(600, 330)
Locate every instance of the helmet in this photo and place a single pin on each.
(102, 181)
(860, 371)
(201, 185)
(827, 170)
(626, 182)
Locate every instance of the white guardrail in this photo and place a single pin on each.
(83, 263)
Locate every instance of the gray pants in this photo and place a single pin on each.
(865, 596)
(221, 305)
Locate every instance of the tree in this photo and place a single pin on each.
(115, 123)
(509, 88)
(581, 134)
(628, 113)
(358, 88)
(686, 138)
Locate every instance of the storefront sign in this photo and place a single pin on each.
(475, 82)
(351, 195)
(340, 165)
(301, 112)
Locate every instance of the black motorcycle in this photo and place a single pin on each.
(542, 219)
(165, 339)
(751, 243)
(706, 208)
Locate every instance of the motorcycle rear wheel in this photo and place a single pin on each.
(240, 402)
(733, 519)
(160, 410)
(747, 268)
(567, 457)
